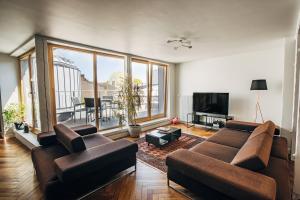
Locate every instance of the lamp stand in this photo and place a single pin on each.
(257, 108)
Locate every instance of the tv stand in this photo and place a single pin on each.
(207, 120)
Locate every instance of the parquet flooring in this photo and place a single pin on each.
(18, 181)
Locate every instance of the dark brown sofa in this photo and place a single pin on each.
(70, 163)
(242, 161)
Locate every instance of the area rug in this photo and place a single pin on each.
(156, 157)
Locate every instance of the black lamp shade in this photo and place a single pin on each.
(260, 84)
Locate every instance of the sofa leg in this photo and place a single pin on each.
(168, 182)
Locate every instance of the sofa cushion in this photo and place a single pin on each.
(255, 153)
(71, 140)
(85, 129)
(279, 170)
(95, 139)
(229, 137)
(43, 161)
(47, 138)
(214, 150)
(280, 147)
(266, 128)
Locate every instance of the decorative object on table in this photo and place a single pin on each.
(257, 85)
(13, 115)
(156, 157)
(130, 96)
(175, 121)
(26, 128)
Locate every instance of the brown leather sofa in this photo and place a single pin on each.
(70, 163)
(241, 161)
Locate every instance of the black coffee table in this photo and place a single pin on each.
(161, 138)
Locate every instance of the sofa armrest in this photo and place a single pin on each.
(76, 165)
(85, 129)
(233, 181)
(47, 138)
(246, 126)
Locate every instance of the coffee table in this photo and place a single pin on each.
(161, 138)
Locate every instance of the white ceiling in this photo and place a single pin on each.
(142, 27)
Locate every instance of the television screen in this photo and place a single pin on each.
(213, 103)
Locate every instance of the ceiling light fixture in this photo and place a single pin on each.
(181, 42)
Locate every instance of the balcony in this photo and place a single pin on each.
(74, 108)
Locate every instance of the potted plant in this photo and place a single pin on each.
(131, 99)
(14, 114)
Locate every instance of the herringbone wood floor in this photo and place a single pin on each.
(18, 181)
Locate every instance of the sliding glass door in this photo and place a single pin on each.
(110, 74)
(158, 90)
(140, 76)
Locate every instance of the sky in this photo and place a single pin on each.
(105, 65)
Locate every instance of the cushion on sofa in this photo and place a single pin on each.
(85, 129)
(230, 137)
(217, 151)
(255, 153)
(71, 140)
(280, 148)
(266, 128)
(95, 139)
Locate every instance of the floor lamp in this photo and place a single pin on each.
(260, 84)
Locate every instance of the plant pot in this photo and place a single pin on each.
(134, 130)
(19, 125)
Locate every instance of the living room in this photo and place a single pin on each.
(159, 100)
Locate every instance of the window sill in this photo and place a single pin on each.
(30, 139)
(123, 132)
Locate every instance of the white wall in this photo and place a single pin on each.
(9, 79)
(233, 74)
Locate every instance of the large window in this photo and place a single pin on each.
(74, 87)
(152, 78)
(29, 90)
(86, 83)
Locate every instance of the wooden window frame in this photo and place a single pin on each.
(94, 53)
(27, 56)
(51, 46)
(149, 91)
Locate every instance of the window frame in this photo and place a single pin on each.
(149, 97)
(95, 53)
(27, 56)
(127, 71)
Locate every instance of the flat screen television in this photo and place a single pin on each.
(212, 103)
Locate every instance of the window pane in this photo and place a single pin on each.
(158, 90)
(110, 72)
(35, 92)
(74, 89)
(140, 76)
(27, 98)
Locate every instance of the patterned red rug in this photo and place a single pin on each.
(156, 157)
